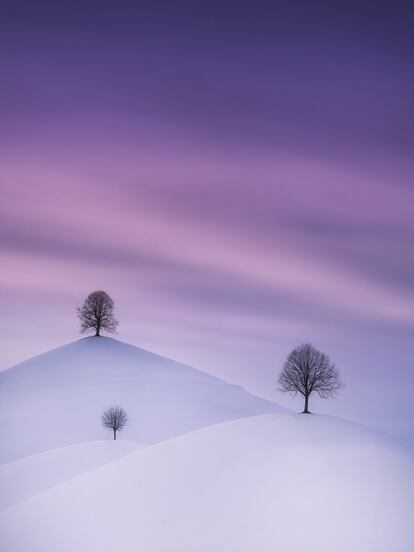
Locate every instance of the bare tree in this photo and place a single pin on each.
(97, 313)
(308, 371)
(115, 418)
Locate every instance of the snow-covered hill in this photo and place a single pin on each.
(31, 475)
(56, 399)
(265, 483)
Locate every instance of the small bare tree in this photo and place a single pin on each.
(115, 418)
(97, 313)
(308, 371)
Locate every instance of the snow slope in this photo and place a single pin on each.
(28, 476)
(56, 399)
(278, 482)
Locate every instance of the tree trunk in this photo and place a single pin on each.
(114, 434)
(305, 410)
(97, 332)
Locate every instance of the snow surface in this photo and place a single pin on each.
(278, 482)
(28, 476)
(229, 472)
(56, 399)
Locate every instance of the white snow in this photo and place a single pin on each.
(226, 472)
(56, 399)
(28, 476)
(278, 482)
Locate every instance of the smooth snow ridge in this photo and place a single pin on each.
(56, 399)
(31, 475)
(265, 483)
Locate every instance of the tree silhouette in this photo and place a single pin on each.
(96, 313)
(115, 418)
(308, 371)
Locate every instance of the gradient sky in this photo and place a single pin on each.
(238, 178)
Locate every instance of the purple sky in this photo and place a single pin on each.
(240, 180)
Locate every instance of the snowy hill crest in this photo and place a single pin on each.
(64, 391)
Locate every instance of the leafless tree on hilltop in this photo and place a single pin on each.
(96, 313)
(308, 371)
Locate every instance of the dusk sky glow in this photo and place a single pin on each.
(239, 180)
